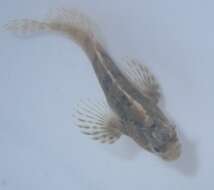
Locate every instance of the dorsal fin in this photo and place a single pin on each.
(142, 78)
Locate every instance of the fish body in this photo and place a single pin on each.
(132, 94)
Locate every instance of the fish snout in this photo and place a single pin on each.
(173, 152)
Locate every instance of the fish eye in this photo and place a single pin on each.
(157, 149)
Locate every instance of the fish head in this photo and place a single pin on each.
(164, 141)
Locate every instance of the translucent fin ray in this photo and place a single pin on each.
(97, 121)
(142, 78)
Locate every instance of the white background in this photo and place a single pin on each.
(43, 78)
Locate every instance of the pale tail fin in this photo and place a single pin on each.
(67, 22)
(26, 27)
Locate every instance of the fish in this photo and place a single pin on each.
(132, 92)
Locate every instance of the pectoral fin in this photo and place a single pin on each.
(98, 121)
(143, 79)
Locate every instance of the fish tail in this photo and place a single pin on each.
(69, 23)
(26, 27)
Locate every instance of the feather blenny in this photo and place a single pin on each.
(132, 93)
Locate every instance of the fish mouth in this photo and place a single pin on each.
(173, 152)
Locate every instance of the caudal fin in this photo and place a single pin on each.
(26, 27)
(70, 23)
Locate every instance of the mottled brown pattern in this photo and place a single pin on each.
(133, 103)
